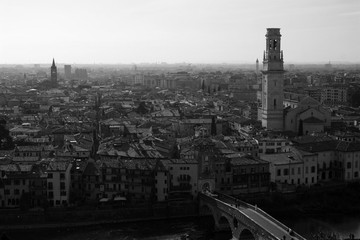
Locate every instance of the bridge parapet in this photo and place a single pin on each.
(236, 210)
(232, 211)
(268, 216)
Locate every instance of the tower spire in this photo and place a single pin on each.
(53, 71)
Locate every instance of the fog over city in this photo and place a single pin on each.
(180, 119)
(201, 31)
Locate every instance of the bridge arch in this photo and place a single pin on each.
(224, 223)
(206, 209)
(246, 234)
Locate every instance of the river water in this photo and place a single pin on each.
(196, 228)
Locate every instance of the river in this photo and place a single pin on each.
(196, 228)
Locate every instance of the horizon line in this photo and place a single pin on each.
(175, 63)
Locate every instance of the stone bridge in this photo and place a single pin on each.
(244, 220)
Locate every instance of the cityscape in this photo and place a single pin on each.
(262, 148)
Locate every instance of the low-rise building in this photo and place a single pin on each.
(272, 145)
(183, 178)
(294, 167)
(58, 182)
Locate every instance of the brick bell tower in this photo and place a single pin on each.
(272, 82)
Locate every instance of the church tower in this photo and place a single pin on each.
(272, 82)
(53, 72)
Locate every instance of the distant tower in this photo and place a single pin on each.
(53, 72)
(67, 70)
(257, 66)
(272, 82)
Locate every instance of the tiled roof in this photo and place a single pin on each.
(348, 146)
(312, 120)
(330, 146)
(91, 169)
(57, 166)
(9, 168)
(282, 158)
(318, 146)
(246, 160)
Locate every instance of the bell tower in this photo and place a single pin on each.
(53, 71)
(272, 82)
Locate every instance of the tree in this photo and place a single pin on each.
(6, 141)
(142, 109)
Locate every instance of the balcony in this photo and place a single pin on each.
(181, 188)
(184, 178)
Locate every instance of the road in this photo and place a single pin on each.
(267, 224)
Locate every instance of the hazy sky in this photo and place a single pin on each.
(198, 31)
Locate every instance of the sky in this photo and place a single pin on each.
(173, 31)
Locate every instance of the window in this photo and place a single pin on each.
(279, 172)
(50, 175)
(348, 165)
(51, 194)
(275, 103)
(313, 169)
(50, 185)
(286, 172)
(62, 186)
(62, 175)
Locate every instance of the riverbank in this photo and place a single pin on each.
(335, 201)
(13, 220)
(86, 224)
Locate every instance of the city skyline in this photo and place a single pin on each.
(111, 32)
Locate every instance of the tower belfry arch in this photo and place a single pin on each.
(272, 94)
